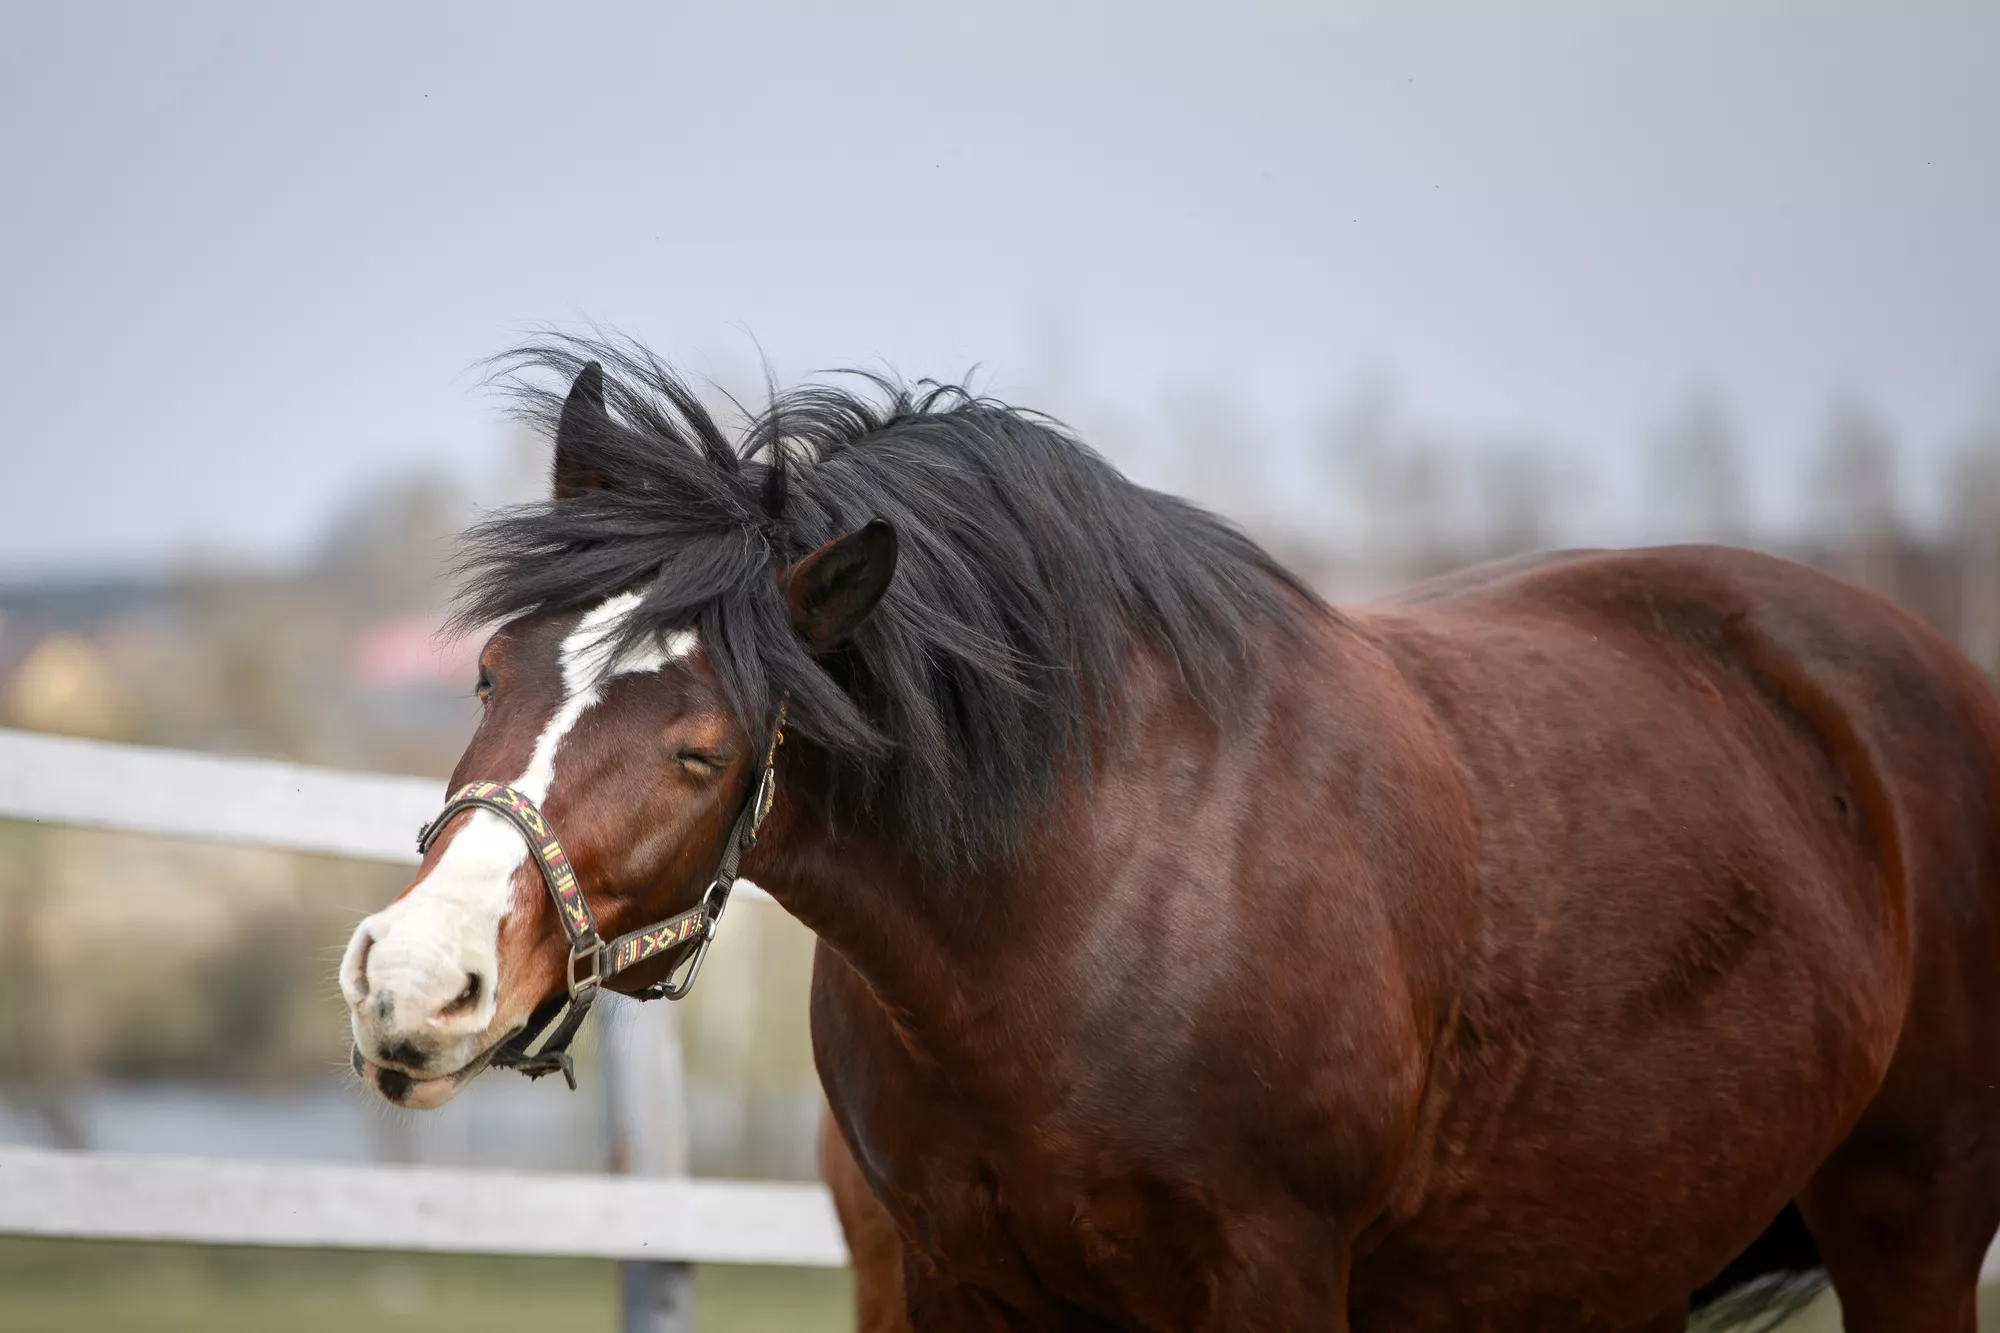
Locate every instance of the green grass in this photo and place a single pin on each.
(91, 1287)
(1823, 1315)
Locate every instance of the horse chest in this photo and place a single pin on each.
(1046, 1229)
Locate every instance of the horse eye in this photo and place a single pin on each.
(697, 762)
(485, 686)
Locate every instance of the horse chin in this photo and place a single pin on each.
(417, 1094)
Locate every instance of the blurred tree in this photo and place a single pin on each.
(1056, 372)
(1221, 451)
(67, 684)
(1974, 517)
(1522, 488)
(1853, 500)
(1694, 470)
(390, 549)
(252, 667)
(40, 1075)
(1392, 485)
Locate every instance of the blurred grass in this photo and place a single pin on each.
(89, 1287)
(1823, 1315)
(51, 1286)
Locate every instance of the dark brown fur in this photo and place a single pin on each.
(1649, 891)
(1506, 957)
(1532, 944)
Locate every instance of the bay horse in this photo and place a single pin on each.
(1555, 947)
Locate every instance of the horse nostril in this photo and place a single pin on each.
(467, 999)
(360, 967)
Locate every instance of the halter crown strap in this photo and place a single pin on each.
(685, 936)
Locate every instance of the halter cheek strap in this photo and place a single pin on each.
(683, 938)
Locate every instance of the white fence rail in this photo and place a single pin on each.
(57, 780)
(105, 1196)
(182, 794)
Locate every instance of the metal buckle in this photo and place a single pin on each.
(713, 899)
(593, 949)
(558, 1062)
(542, 1026)
(674, 990)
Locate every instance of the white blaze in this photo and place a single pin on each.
(421, 947)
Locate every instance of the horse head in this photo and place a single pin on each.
(613, 742)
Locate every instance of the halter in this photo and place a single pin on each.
(592, 962)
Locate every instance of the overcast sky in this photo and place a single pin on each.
(249, 256)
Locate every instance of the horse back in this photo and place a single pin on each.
(1906, 730)
(1739, 857)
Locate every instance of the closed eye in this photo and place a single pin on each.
(701, 761)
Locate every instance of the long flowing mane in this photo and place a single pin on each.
(1028, 573)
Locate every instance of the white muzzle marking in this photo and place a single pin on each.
(408, 966)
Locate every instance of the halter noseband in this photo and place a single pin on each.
(685, 937)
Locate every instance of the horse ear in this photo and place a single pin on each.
(831, 591)
(582, 416)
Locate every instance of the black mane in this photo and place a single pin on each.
(1028, 570)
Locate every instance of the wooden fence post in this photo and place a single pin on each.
(645, 1101)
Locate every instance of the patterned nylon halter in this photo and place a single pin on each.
(683, 938)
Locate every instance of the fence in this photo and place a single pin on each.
(655, 1224)
(664, 1221)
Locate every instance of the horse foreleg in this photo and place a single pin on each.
(1905, 1208)
(874, 1247)
(1903, 1248)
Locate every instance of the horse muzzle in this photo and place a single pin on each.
(417, 1091)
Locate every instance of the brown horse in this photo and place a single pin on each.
(1567, 940)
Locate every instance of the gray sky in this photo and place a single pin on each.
(249, 255)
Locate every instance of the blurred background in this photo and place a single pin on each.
(1398, 287)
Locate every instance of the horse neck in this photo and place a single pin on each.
(927, 943)
(909, 932)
